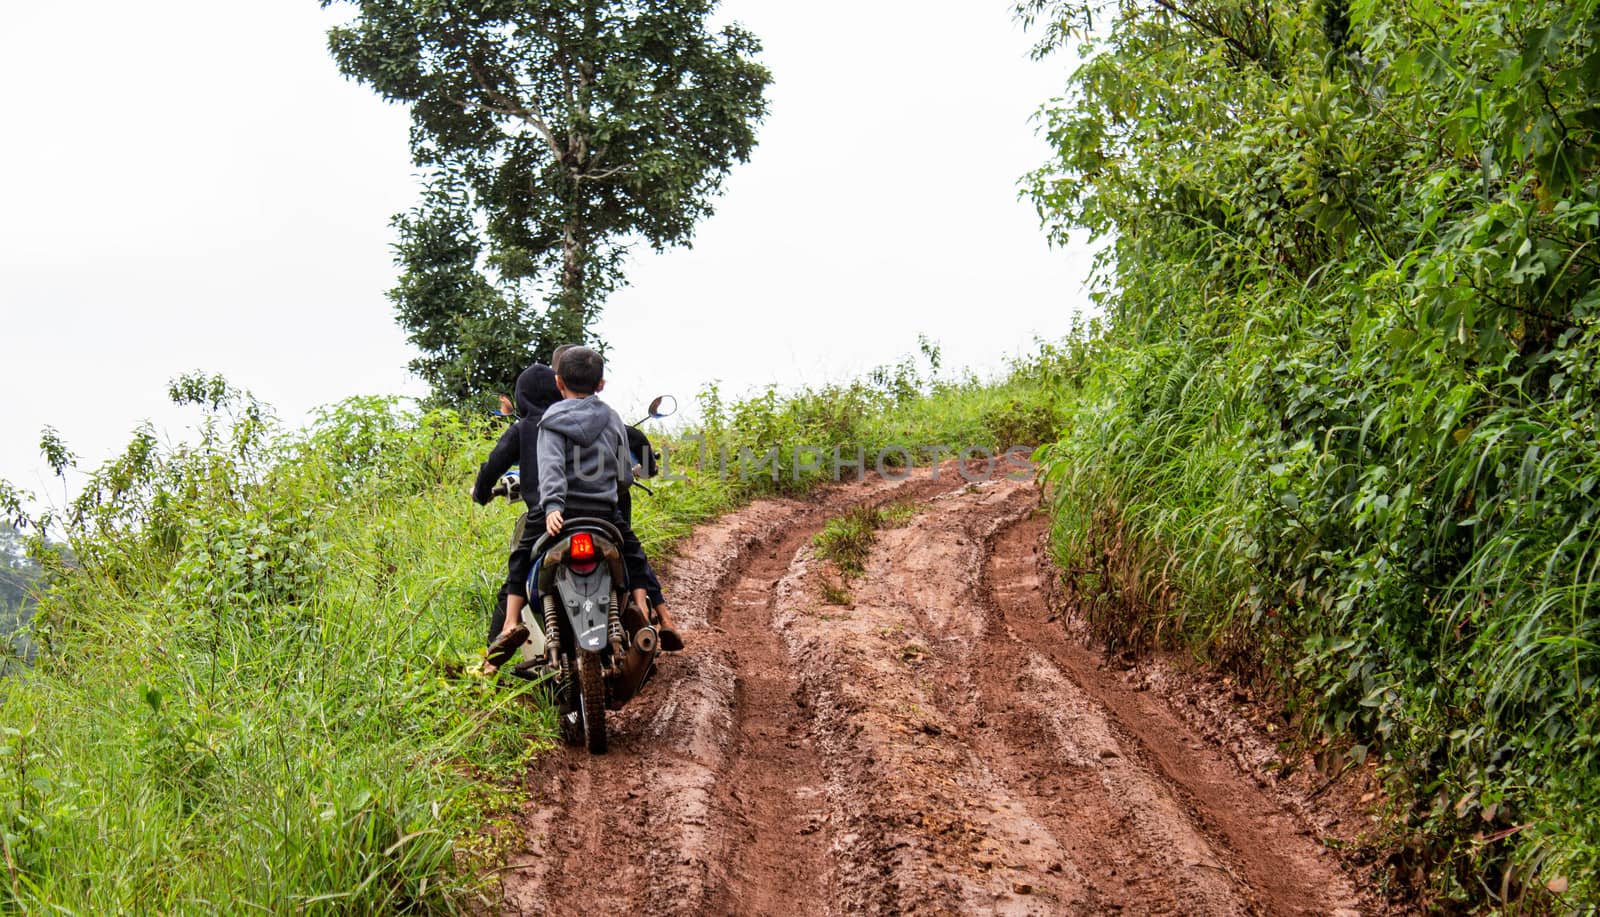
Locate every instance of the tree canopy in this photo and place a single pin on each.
(556, 133)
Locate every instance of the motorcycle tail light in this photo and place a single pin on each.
(582, 548)
(583, 569)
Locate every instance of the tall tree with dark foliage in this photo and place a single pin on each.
(556, 134)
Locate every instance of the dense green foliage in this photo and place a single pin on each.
(1340, 426)
(243, 696)
(474, 337)
(252, 688)
(556, 134)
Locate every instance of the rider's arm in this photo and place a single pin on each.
(505, 453)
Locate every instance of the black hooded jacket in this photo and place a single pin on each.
(535, 392)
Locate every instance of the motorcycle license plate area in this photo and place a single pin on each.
(587, 602)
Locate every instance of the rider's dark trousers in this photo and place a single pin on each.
(518, 565)
(650, 584)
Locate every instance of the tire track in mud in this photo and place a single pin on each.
(1187, 832)
(937, 745)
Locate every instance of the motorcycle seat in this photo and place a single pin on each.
(580, 524)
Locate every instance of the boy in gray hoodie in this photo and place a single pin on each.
(584, 466)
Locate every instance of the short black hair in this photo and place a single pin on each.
(581, 369)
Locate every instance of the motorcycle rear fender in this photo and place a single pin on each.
(586, 598)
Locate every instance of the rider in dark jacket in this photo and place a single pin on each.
(535, 392)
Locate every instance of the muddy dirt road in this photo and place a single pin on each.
(936, 745)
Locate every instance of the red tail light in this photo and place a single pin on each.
(582, 548)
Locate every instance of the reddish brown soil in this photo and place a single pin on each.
(938, 745)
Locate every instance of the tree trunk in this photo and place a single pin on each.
(571, 300)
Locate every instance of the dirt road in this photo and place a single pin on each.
(937, 745)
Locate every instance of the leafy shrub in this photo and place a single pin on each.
(259, 559)
(1020, 424)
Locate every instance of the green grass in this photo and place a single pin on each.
(847, 539)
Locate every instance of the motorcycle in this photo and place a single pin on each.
(588, 640)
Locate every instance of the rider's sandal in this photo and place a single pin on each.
(505, 645)
(670, 641)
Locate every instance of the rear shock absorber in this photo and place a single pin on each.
(552, 631)
(614, 630)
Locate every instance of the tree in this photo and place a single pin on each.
(474, 337)
(557, 132)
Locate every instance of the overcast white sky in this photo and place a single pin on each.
(188, 184)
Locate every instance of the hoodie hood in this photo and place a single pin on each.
(536, 391)
(580, 420)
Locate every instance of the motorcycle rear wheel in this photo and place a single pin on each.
(569, 719)
(592, 701)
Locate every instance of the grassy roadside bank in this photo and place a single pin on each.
(1339, 434)
(248, 691)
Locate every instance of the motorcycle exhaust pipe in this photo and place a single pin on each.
(636, 666)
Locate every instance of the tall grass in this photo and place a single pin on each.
(1422, 585)
(247, 693)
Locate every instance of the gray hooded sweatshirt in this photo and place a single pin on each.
(583, 455)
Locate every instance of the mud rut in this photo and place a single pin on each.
(938, 746)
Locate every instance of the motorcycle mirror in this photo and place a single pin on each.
(663, 406)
